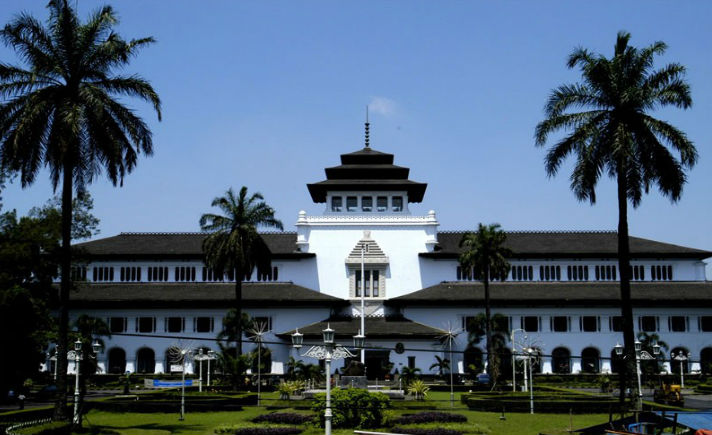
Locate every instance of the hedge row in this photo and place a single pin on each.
(192, 404)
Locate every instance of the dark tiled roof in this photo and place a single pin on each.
(659, 293)
(191, 295)
(376, 327)
(367, 169)
(568, 244)
(183, 245)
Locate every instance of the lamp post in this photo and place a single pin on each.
(514, 367)
(682, 358)
(211, 356)
(530, 351)
(77, 355)
(200, 357)
(329, 351)
(639, 354)
(185, 354)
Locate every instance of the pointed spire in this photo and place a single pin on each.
(367, 127)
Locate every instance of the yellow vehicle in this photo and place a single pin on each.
(669, 394)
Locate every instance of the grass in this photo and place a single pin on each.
(204, 423)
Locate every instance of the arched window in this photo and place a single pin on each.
(590, 360)
(117, 360)
(561, 360)
(616, 362)
(706, 360)
(473, 360)
(145, 360)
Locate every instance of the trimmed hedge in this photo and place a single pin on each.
(429, 417)
(259, 430)
(283, 418)
(552, 402)
(426, 431)
(166, 402)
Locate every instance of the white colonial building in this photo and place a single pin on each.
(154, 290)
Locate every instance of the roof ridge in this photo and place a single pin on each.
(186, 233)
(538, 231)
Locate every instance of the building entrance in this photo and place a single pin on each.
(378, 364)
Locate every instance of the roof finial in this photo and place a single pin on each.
(367, 127)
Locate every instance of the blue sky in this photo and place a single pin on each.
(266, 94)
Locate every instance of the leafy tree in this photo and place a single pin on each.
(617, 136)
(441, 364)
(486, 255)
(61, 111)
(84, 223)
(234, 245)
(295, 369)
(408, 374)
(477, 330)
(89, 329)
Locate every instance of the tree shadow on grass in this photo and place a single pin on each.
(142, 429)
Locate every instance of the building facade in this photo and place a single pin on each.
(561, 295)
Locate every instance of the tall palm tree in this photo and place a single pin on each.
(617, 136)
(234, 245)
(61, 111)
(486, 255)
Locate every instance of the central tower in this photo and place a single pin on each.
(366, 210)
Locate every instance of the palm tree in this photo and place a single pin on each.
(616, 136)
(62, 111)
(441, 364)
(234, 245)
(486, 255)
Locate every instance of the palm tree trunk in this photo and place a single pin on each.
(624, 270)
(60, 409)
(238, 308)
(488, 323)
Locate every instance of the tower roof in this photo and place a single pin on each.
(367, 169)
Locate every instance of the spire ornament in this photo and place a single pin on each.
(367, 125)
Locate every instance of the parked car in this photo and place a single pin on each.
(483, 379)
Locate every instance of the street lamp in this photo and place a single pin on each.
(530, 352)
(639, 354)
(77, 355)
(329, 351)
(682, 358)
(514, 367)
(211, 356)
(200, 357)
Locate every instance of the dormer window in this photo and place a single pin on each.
(337, 203)
(397, 202)
(367, 204)
(351, 203)
(382, 203)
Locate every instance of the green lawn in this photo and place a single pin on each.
(205, 422)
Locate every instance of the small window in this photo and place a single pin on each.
(705, 323)
(382, 203)
(203, 324)
(677, 323)
(397, 202)
(262, 322)
(468, 323)
(530, 323)
(411, 362)
(616, 324)
(367, 204)
(560, 324)
(337, 203)
(146, 324)
(648, 323)
(589, 324)
(351, 203)
(175, 324)
(117, 324)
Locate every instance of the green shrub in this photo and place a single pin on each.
(418, 388)
(245, 429)
(353, 408)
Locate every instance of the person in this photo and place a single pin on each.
(21, 401)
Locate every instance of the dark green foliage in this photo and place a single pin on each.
(615, 135)
(426, 431)
(353, 408)
(429, 417)
(553, 401)
(60, 110)
(283, 418)
(84, 223)
(234, 246)
(260, 431)
(486, 256)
